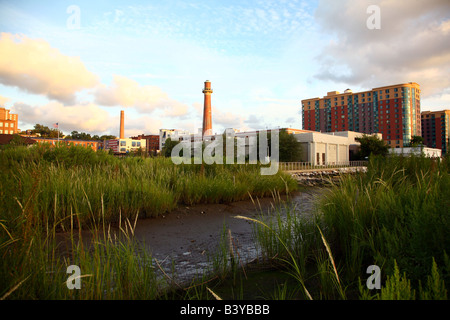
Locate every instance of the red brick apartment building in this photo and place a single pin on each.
(436, 129)
(8, 122)
(393, 111)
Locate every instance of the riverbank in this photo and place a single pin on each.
(323, 177)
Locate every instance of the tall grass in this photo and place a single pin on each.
(399, 211)
(45, 190)
(396, 216)
(53, 183)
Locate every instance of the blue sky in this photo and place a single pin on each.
(150, 58)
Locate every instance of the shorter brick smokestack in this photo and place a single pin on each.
(122, 128)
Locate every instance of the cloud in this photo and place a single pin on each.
(128, 93)
(84, 118)
(138, 125)
(226, 119)
(255, 122)
(3, 101)
(413, 44)
(88, 118)
(34, 66)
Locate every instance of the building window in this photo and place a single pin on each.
(123, 143)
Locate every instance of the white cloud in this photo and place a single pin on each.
(3, 101)
(146, 99)
(413, 44)
(34, 66)
(83, 118)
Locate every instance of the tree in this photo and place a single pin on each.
(107, 137)
(290, 150)
(371, 145)
(46, 132)
(168, 146)
(75, 135)
(416, 141)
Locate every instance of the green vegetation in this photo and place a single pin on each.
(290, 150)
(44, 190)
(168, 146)
(416, 141)
(51, 183)
(46, 132)
(396, 216)
(75, 135)
(371, 145)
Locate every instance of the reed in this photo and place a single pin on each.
(75, 179)
(396, 216)
(44, 191)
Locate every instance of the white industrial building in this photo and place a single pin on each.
(173, 134)
(328, 148)
(331, 148)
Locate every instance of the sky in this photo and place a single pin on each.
(79, 63)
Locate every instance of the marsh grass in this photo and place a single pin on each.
(46, 192)
(34, 265)
(52, 183)
(396, 216)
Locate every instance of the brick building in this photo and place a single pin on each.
(8, 122)
(436, 129)
(393, 111)
(95, 145)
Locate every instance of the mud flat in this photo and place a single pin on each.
(186, 238)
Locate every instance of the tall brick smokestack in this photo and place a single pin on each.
(122, 129)
(207, 122)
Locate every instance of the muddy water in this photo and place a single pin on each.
(187, 238)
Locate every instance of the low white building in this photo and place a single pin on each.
(328, 148)
(331, 148)
(173, 134)
(422, 150)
